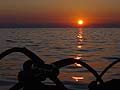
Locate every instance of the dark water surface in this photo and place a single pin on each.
(98, 47)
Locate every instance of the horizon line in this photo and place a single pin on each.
(58, 26)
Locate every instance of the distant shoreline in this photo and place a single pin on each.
(58, 26)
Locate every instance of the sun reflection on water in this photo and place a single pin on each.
(77, 78)
(78, 65)
(80, 38)
(79, 56)
(79, 44)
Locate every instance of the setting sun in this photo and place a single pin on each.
(80, 22)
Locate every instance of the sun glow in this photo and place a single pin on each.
(80, 22)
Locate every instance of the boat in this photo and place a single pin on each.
(35, 71)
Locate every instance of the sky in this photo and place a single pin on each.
(59, 12)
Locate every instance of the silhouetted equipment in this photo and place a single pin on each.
(35, 71)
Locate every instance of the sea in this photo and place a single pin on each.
(97, 47)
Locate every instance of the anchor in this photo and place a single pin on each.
(35, 71)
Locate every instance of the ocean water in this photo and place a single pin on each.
(98, 47)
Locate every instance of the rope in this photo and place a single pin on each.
(25, 51)
(69, 61)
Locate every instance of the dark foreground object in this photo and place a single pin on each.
(113, 84)
(35, 71)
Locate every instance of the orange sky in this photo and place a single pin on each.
(59, 11)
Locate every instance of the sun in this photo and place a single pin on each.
(80, 22)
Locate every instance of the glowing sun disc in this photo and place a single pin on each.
(80, 22)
